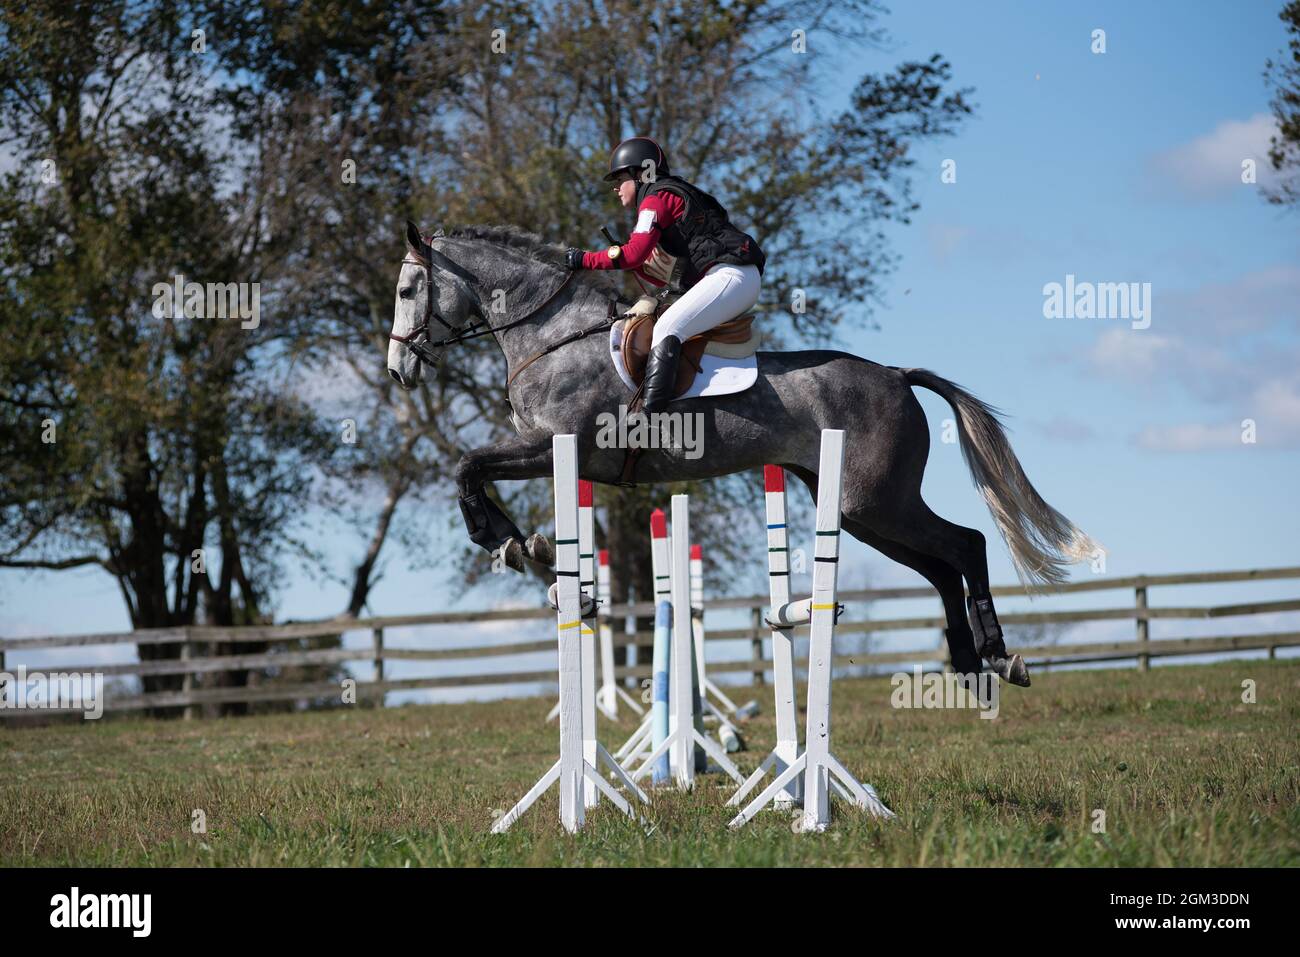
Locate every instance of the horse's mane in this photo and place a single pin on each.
(513, 237)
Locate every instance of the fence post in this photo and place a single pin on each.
(187, 679)
(378, 636)
(756, 642)
(1143, 626)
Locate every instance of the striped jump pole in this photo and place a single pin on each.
(820, 769)
(572, 770)
(727, 733)
(645, 738)
(684, 736)
(587, 582)
(605, 698)
(778, 583)
(697, 615)
(610, 690)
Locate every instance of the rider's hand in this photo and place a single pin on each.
(573, 258)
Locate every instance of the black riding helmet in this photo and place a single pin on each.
(631, 155)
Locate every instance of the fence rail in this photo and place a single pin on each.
(198, 643)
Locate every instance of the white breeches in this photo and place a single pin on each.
(724, 292)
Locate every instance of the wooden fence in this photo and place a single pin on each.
(206, 651)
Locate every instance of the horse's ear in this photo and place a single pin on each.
(414, 240)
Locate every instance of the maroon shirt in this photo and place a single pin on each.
(656, 214)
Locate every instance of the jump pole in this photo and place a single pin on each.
(726, 730)
(643, 739)
(697, 624)
(818, 766)
(778, 584)
(606, 699)
(684, 736)
(587, 582)
(610, 690)
(572, 769)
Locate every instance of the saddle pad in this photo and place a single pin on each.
(719, 375)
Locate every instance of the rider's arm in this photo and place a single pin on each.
(657, 213)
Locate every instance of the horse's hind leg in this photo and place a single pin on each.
(946, 581)
(883, 494)
(943, 576)
(489, 527)
(913, 524)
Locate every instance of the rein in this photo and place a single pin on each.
(472, 331)
(423, 350)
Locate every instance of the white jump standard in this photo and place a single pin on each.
(642, 740)
(573, 768)
(610, 690)
(778, 578)
(819, 768)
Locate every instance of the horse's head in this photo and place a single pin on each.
(433, 303)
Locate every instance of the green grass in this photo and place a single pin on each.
(1187, 774)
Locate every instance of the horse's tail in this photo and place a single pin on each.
(1042, 540)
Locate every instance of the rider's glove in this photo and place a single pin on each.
(573, 258)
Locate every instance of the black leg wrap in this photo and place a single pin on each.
(961, 650)
(488, 526)
(661, 374)
(984, 623)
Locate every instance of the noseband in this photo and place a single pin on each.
(421, 350)
(424, 351)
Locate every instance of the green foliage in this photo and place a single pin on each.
(132, 437)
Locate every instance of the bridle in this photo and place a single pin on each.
(423, 351)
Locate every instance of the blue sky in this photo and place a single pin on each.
(1114, 167)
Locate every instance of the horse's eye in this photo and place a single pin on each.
(407, 292)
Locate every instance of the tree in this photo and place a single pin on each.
(152, 445)
(525, 104)
(1284, 146)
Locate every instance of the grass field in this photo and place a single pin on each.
(1185, 771)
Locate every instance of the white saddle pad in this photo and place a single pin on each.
(718, 376)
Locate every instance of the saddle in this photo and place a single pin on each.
(733, 339)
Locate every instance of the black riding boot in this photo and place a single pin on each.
(661, 374)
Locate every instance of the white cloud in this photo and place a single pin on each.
(1230, 345)
(1132, 354)
(1210, 165)
(1273, 408)
(1191, 437)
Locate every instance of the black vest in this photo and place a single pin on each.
(703, 236)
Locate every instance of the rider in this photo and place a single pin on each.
(721, 267)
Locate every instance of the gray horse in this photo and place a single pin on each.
(552, 326)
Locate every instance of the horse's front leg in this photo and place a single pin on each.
(522, 457)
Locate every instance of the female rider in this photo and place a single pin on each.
(721, 266)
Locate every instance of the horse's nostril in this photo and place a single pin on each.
(397, 376)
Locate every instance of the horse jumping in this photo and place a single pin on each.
(548, 323)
